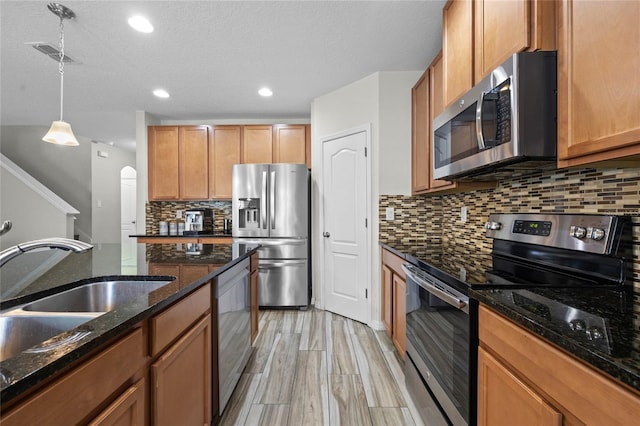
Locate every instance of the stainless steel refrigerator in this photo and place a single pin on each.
(270, 204)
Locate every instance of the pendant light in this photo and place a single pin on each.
(60, 132)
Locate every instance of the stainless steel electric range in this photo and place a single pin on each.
(532, 256)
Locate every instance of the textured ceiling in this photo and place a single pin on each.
(211, 56)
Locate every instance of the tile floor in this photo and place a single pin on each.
(317, 368)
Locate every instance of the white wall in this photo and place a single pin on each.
(32, 216)
(383, 100)
(105, 192)
(64, 170)
(143, 120)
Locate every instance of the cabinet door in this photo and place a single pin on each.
(420, 131)
(190, 273)
(503, 28)
(257, 144)
(598, 71)
(289, 144)
(163, 163)
(387, 299)
(181, 380)
(503, 399)
(225, 151)
(194, 162)
(436, 106)
(399, 314)
(457, 48)
(127, 410)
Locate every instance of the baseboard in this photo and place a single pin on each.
(376, 325)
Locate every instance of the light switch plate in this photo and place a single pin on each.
(463, 215)
(390, 213)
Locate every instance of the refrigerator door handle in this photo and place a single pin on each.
(272, 200)
(263, 201)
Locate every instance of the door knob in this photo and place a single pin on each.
(326, 234)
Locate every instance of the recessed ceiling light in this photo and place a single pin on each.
(140, 23)
(265, 92)
(161, 93)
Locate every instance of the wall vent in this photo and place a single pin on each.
(51, 52)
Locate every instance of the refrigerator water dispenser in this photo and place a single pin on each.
(249, 213)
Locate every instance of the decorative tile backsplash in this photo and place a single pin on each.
(599, 191)
(157, 211)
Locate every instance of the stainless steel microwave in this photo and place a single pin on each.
(506, 122)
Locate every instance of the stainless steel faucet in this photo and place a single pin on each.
(58, 243)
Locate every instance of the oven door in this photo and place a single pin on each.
(439, 342)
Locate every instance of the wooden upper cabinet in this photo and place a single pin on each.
(420, 139)
(457, 48)
(257, 144)
(598, 82)
(290, 143)
(163, 153)
(224, 152)
(436, 106)
(503, 28)
(194, 162)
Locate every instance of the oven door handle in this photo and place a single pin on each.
(441, 294)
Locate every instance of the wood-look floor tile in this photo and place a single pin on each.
(237, 409)
(386, 344)
(268, 415)
(309, 403)
(379, 385)
(347, 402)
(278, 376)
(341, 355)
(313, 332)
(262, 348)
(389, 416)
(396, 368)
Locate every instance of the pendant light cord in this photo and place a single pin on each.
(61, 66)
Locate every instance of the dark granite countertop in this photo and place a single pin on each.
(617, 354)
(34, 275)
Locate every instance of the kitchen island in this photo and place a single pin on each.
(187, 300)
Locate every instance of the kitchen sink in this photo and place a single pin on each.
(101, 296)
(18, 333)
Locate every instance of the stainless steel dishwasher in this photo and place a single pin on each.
(234, 328)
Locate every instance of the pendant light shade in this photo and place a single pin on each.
(60, 132)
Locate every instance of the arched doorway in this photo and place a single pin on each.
(128, 219)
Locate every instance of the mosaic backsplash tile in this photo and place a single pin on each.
(584, 190)
(157, 211)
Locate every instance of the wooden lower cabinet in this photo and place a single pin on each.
(399, 314)
(524, 380)
(128, 410)
(393, 295)
(387, 299)
(181, 380)
(87, 390)
(503, 399)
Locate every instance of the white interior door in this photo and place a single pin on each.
(346, 275)
(128, 219)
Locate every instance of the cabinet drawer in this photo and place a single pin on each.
(170, 324)
(394, 262)
(558, 375)
(128, 409)
(78, 394)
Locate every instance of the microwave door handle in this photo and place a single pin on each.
(272, 199)
(263, 201)
(480, 136)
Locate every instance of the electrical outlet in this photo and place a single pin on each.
(178, 214)
(463, 215)
(390, 213)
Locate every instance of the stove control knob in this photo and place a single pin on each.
(594, 333)
(596, 233)
(577, 325)
(492, 226)
(578, 232)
